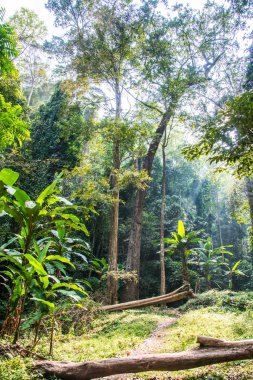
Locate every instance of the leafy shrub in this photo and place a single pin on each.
(227, 300)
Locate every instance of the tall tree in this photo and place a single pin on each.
(178, 55)
(100, 44)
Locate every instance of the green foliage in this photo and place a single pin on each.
(13, 129)
(221, 300)
(228, 136)
(8, 45)
(27, 266)
(209, 260)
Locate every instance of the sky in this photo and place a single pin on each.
(38, 6)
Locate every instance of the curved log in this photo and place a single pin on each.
(160, 362)
(177, 295)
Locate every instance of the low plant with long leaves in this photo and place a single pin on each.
(183, 243)
(208, 259)
(26, 259)
(232, 271)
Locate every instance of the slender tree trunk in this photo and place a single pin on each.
(131, 289)
(112, 281)
(249, 188)
(218, 221)
(163, 279)
(185, 273)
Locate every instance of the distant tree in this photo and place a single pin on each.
(100, 43)
(31, 62)
(177, 56)
(57, 136)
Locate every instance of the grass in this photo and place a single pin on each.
(224, 325)
(115, 334)
(109, 335)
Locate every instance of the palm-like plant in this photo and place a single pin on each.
(182, 243)
(27, 264)
(232, 271)
(208, 258)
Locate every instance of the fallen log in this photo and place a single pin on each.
(177, 295)
(206, 341)
(197, 357)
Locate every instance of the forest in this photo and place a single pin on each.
(126, 190)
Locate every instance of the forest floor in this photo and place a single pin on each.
(150, 330)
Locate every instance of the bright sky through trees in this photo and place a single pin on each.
(38, 6)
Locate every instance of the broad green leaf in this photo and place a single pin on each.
(22, 197)
(9, 242)
(59, 258)
(17, 292)
(51, 189)
(84, 258)
(65, 201)
(38, 269)
(8, 176)
(181, 229)
(31, 321)
(7, 273)
(49, 304)
(75, 226)
(17, 268)
(236, 265)
(68, 286)
(43, 252)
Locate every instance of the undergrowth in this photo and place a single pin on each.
(87, 336)
(221, 300)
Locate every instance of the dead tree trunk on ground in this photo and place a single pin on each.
(211, 351)
(167, 298)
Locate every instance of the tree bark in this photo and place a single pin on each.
(162, 263)
(131, 289)
(164, 299)
(112, 281)
(194, 358)
(185, 273)
(206, 341)
(249, 187)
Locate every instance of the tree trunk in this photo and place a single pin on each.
(112, 280)
(218, 222)
(249, 187)
(131, 289)
(177, 295)
(163, 279)
(214, 351)
(185, 273)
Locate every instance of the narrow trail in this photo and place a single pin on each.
(155, 340)
(152, 344)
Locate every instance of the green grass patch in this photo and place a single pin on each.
(224, 325)
(114, 334)
(111, 335)
(221, 300)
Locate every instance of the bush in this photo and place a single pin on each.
(227, 300)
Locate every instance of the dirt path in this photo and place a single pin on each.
(156, 339)
(150, 345)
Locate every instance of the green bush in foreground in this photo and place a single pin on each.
(225, 300)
